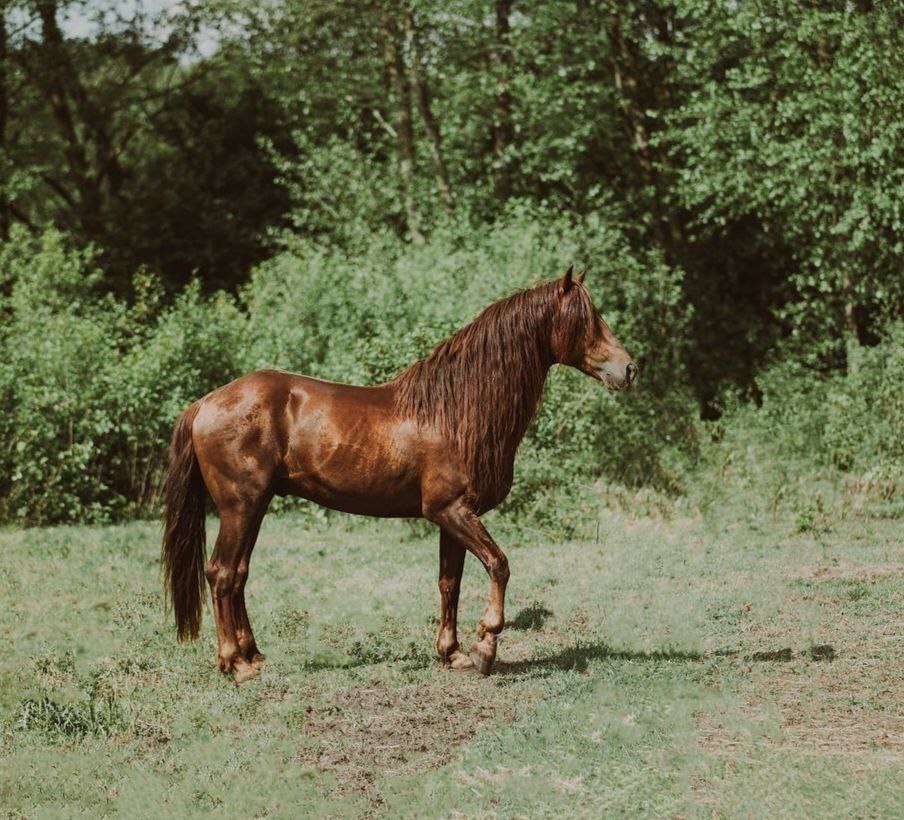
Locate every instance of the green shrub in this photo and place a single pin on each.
(814, 435)
(193, 347)
(91, 386)
(864, 425)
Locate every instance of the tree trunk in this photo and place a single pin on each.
(503, 127)
(91, 166)
(624, 76)
(431, 126)
(628, 76)
(51, 75)
(851, 330)
(401, 92)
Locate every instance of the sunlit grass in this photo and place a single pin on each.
(673, 667)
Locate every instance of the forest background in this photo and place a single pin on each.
(191, 191)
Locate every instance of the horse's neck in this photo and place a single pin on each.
(533, 358)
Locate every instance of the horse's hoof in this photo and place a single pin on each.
(244, 671)
(481, 664)
(459, 661)
(257, 660)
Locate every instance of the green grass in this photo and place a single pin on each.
(675, 667)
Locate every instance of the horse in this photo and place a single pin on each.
(436, 442)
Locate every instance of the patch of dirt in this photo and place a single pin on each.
(848, 572)
(375, 730)
(780, 655)
(848, 723)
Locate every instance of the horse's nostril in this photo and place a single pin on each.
(630, 372)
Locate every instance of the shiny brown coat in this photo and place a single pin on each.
(437, 442)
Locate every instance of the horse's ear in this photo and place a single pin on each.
(581, 276)
(565, 282)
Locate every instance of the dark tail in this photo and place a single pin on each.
(183, 537)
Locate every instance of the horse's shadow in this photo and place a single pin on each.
(578, 658)
(575, 658)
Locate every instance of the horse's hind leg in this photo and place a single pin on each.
(244, 635)
(226, 572)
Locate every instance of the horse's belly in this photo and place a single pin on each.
(363, 478)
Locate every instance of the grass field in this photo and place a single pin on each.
(675, 666)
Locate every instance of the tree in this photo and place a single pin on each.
(4, 116)
(503, 126)
(101, 136)
(404, 129)
(417, 71)
(793, 127)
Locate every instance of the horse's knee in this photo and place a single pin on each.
(499, 569)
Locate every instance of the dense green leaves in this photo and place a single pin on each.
(90, 386)
(794, 124)
(334, 186)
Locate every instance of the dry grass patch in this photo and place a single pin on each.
(377, 730)
(841, 571)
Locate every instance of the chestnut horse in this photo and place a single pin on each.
(437, 442)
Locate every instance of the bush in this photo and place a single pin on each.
(91, 386)
(813, 434)
(864, 426)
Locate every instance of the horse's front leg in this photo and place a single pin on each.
(460, 521)
(451, 566)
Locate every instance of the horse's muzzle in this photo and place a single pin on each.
(615, 375)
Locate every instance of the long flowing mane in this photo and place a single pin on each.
(481, 387)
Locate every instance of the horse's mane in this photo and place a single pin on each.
(481, 387)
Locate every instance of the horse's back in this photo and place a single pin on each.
(342, 446)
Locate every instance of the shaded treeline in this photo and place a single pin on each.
(756, 148)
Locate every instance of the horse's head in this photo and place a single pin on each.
(582, 339)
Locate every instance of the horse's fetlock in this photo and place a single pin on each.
(446, 643)
(492, 623)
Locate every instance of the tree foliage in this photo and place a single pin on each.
(732, 170)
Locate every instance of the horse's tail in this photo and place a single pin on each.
(182, 555)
